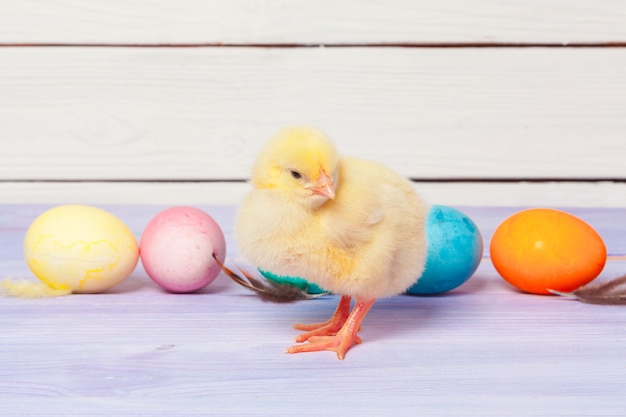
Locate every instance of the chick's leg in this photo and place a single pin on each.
(327, 328)
(344, 339)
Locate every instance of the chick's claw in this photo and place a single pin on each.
(324, 337)
(340, 343)
(355, 338)
(329, 327)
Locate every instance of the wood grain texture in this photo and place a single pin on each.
(480, 350)
(304, 21)
(120, 113)
(550, 194)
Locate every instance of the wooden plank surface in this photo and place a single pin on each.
(126, 113)
(304, 21)
(507, 194)
(483, 349)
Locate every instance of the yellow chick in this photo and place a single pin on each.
(351, 226)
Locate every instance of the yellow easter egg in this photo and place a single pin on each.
(80, 248)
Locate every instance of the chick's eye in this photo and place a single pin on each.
(296, 174)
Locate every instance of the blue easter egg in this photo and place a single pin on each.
(301, 283)
(455, 248)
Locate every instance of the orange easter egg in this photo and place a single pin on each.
(540, 249)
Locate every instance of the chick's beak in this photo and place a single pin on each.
(324, 186)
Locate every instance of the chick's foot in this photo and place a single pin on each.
(329, 327)
(343, 339)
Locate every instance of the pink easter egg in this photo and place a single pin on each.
(177, 248)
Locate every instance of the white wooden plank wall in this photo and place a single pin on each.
(132, 101)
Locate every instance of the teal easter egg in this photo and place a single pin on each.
(455, 248)
(301, 283)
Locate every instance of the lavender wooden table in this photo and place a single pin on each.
(483, 349)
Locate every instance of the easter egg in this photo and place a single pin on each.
(177, 248)
(540, 249)
(455, 248)
(80, 248)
